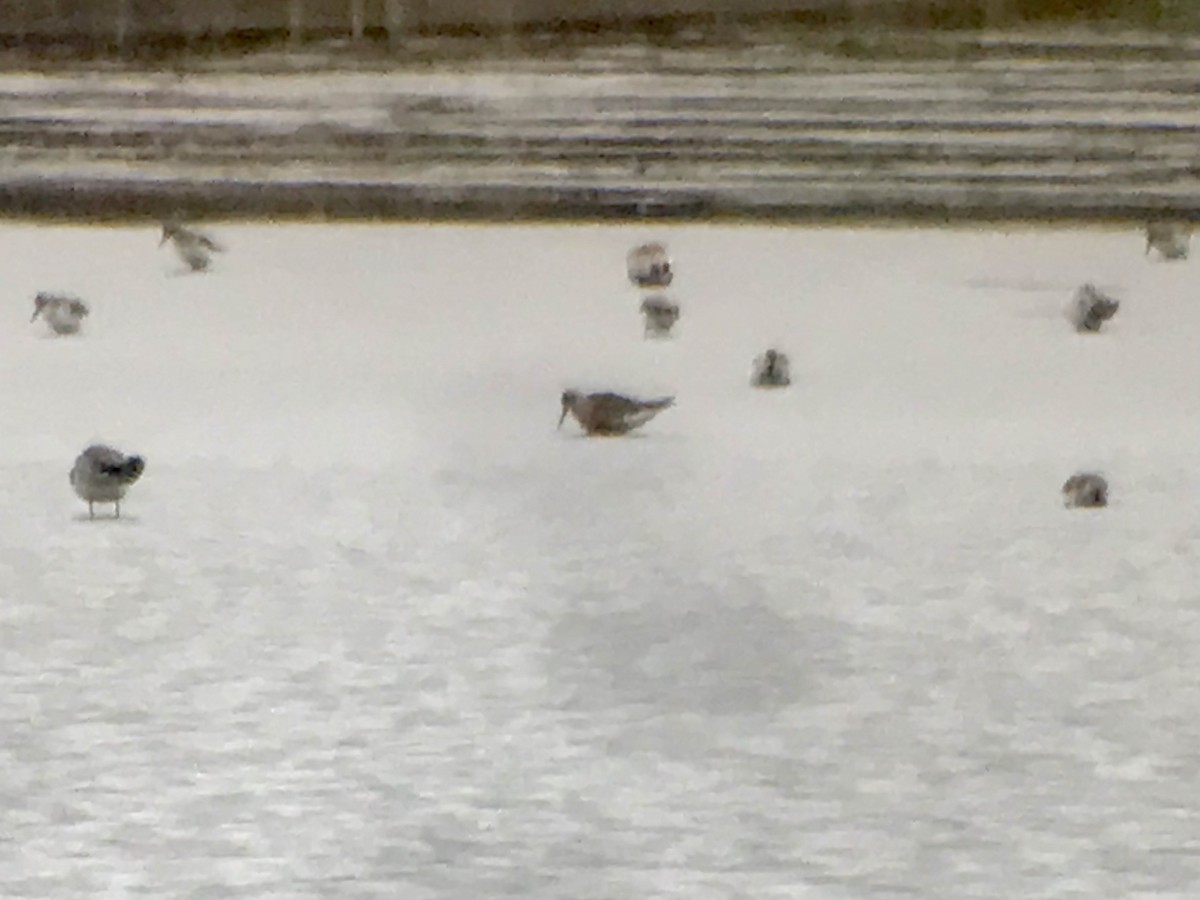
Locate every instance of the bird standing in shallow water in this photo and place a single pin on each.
(649, 266)
(1172, 240)
(62, 313)
(610, 414)
(1085, 490)
(103, 475)
(772, 369)
(1090, 308)
(193, 247)
(660, 314)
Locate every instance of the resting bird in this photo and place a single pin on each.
(610, 414)
(772, 369)
(649, 266)
(1090, 308)
(193, 247)
(661, 314)
(1172, 240)
(64, 314)
(1085, 489)
(102, 475)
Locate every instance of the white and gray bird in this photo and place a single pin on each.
(1172, 240)
(649, 266)
(103, 475)
(771, 370)
(1090, 308)
(660, 313)
(194, 247)
(62, 313)
(606, 414)
(1085, 490)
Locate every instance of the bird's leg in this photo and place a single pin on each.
(91, 510)
(117, 504)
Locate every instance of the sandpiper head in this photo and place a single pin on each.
(170, 229)
(39, 304)
(134, 467)
(569, 399)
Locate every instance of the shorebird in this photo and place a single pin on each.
(661, 313)
(102, 475)
(772, 369)
(64, 314)
(1085, 489)
(1090, 308)
(1172, 240)
(610, 414)
(193, 247)
(649, 266)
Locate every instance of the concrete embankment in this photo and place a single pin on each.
(1002, 126)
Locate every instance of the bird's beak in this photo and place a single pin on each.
(563, 417)
(36, 313)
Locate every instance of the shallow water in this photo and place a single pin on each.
(371, 627)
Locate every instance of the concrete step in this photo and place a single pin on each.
(761, 133)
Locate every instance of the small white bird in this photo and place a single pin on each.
(771, 370)
(103, 475)
(660, 314)
(1172, 240)
(1085, 490)
(1090, 308)
(193, 247)
(649, 266)
(63, 313)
